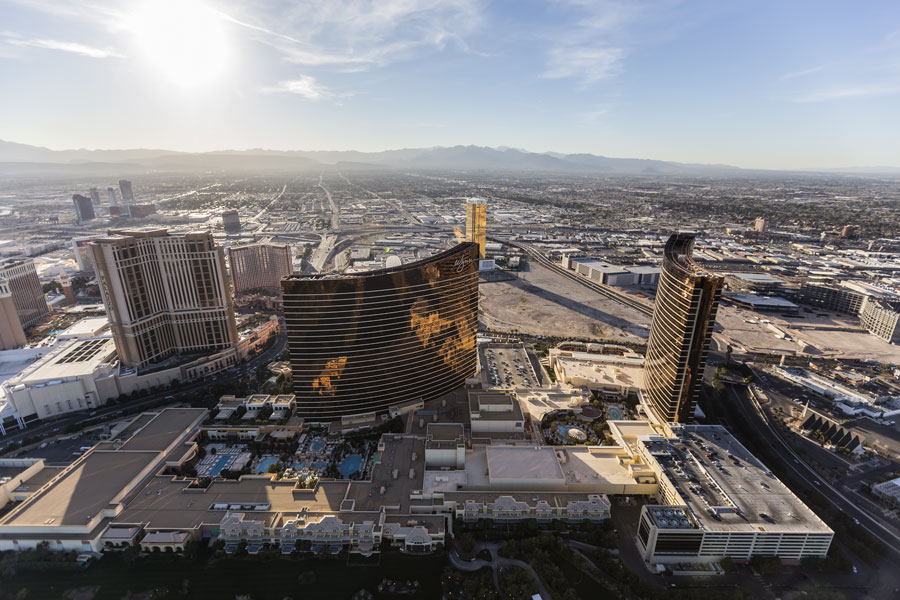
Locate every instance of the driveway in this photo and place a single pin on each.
(496, 563)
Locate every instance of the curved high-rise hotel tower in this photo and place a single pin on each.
(360, 343)
(686, 302)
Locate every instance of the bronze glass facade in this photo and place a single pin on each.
(683, 318)
(363, 342)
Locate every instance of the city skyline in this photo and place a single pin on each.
(803, 86)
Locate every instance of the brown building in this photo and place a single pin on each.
(231, 220)
(25, 287)
(84, 208)
(686, 302)
(259, 267)
(11, 333)
(364, 342)
(165, 294)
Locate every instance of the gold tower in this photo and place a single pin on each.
(476, 223)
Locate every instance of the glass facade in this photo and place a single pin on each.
(363, 342)
(683, 318)
(476, 224)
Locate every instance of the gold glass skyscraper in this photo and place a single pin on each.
(476, 223)
(362, 342)
(686, 303)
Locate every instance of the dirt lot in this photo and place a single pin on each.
(828, 334)
(541, 302)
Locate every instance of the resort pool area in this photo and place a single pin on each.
(265, 463)
(316, 446)
(350, 465)
(570, 432)
(318, 466)
(220, 465)
(614, 414)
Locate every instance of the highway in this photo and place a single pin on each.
(182, 394)
(335, 212)
(603, 290)
(757, 417)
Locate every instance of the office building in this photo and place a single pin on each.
(476, 224)
(364, 342)
(686, 301)
(25, 287)
(95, 196)
(259, 267)
(231, 220)
(165, 294)
(761, 225)
(11, 333)
(111, 196)
(84, 208)
(127, 191)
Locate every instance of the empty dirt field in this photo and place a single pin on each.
(540, 302)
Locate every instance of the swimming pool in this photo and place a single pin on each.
(220, 465)
(350, 465)
(614, 414)
(265, 463)
(316, 445)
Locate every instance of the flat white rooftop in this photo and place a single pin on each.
(85, 328)
(523, 462)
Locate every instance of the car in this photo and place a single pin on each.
(855, 570)
(856, 521)
(817, 482)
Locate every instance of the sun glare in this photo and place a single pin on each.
(184, 39)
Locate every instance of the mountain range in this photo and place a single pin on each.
(23, 159)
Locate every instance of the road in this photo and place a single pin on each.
(758, 419)
(260, 214)
(322, 252)
(182, 394)
(335, 212)
(496, 563)
(603, 290)
(397, 203)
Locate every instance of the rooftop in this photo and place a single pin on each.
(726, 487)
(523, 462)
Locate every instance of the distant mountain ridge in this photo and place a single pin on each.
(462, 158)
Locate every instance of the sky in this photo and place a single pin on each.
(761, 84)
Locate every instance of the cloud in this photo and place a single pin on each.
(847, 92)
(802, 73)
(354, 35)
(589, 64)
(596, 38)
(304, 85)
(71, 47)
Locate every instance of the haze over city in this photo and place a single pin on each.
(757, 85)
(458, 300)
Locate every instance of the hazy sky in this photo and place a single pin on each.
(752, 83)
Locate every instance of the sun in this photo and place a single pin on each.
(183, 39)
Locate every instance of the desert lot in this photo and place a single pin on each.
(540, 302)
(826, 334)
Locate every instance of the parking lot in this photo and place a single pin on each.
(62, 450)
(507, 366)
